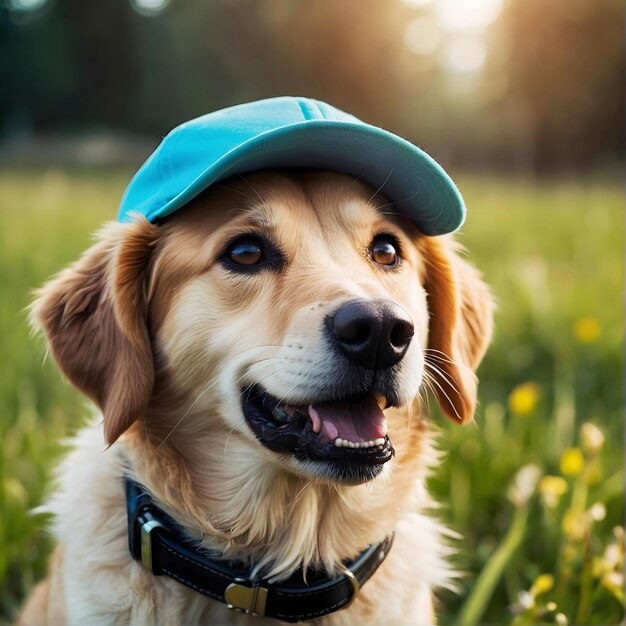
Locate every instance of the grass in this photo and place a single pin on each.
(534, 487)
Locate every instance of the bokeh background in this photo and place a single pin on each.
(522, 101)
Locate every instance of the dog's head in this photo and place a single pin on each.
(290, 310)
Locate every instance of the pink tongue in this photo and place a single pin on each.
(358, 420)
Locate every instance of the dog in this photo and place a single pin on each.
(260, 360)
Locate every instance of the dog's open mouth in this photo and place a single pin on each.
(350, 433)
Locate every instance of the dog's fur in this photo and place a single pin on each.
(151, 326)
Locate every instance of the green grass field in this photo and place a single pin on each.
(534, 487)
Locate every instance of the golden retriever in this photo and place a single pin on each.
(258, 359)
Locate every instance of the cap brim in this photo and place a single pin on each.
(410, 179)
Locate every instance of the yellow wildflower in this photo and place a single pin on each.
(542, 584)
(572, 462)
(587, 330)
(551, 489)
(523, 399)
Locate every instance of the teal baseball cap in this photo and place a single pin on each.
(287, 132)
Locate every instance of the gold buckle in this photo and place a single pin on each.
(356, 587)
(249, 600)
(146, 542)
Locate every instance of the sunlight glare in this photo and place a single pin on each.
(422, 35)
(464, 54)
(458, 15)
(418, 4)
(149, 7)
(26, 5)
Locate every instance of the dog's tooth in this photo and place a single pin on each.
(381, 400)
(315, 419)
(344, 443)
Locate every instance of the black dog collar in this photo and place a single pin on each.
(158, 542)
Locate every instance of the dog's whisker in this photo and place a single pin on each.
(380, 188)
(261, 363)
(185, 414)
(343, 497)
(432, 353)
(378, 208)
(245, 180)
(257, 381)
(431, 379)
(238, 191)
(446, 377)
(300, 493)
(230, 432)
(442, 356)
(424, 397)
(356, 179)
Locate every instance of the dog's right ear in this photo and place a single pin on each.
(94, 315)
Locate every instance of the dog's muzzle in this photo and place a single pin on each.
(344, 433)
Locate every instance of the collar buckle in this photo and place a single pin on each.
(244, 599)
(148, 526)
(356, 587)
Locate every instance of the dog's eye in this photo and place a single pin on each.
(384, 251)
(247, 251)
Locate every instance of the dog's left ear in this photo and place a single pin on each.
(94, 315)
(460, 326)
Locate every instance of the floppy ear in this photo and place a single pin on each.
(460, 327)
(94, 315)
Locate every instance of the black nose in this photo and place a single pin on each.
(373, 333)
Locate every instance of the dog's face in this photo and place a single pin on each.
(304, 318)
(291, 310)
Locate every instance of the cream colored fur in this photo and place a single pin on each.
(151, 326)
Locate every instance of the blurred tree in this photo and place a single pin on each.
(550, 97)
(38, 70)
(566, 77)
